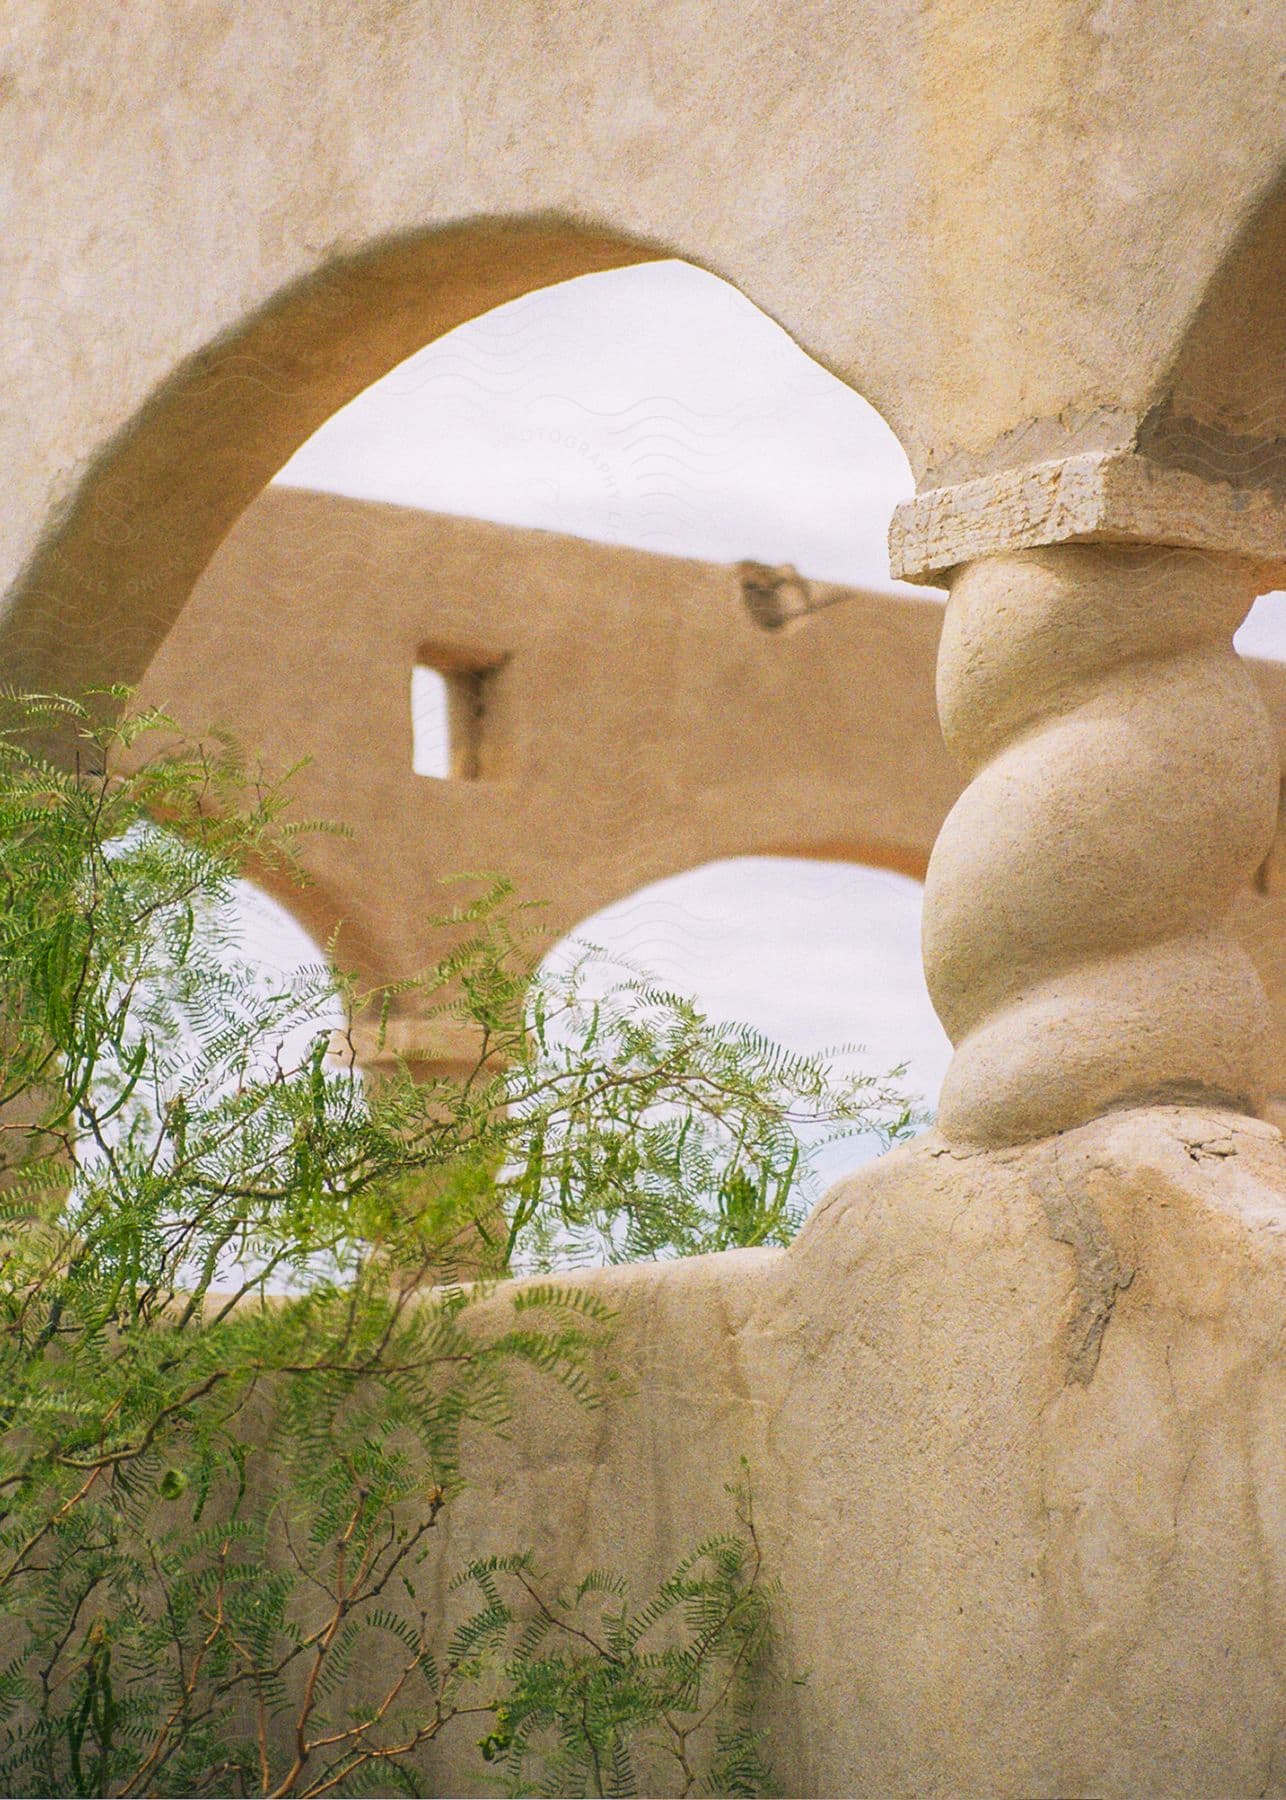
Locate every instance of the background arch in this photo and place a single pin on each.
(817, 953)
(614, 760)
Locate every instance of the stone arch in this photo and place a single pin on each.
(113, 571)
(178, 507)
(819, 949)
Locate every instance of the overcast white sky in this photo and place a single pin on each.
(655, 406)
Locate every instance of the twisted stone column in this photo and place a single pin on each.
(1123, 788)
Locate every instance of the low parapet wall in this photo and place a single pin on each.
(1014, 1423)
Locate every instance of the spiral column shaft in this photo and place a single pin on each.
(1123, 788)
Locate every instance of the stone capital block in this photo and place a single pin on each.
(1097, 497)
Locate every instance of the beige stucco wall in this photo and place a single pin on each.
(997, 223)
(1015, 1430)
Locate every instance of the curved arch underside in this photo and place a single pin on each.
(115, 571)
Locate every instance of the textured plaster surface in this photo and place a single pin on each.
(1123, 788)
(1003, 225)
(1088, 498)
(1014, 1422)
(1014, 1417)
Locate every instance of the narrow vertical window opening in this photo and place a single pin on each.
(448, 713)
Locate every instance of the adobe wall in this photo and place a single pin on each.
(640, 722)
(1015, 1430)
(1004, 228)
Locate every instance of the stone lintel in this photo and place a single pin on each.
(1097, 497)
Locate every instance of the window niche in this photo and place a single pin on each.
(450, 694)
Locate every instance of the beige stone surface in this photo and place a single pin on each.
(1003, 225)
(1014, 1415)
(1096, 497)
(1014, 1422)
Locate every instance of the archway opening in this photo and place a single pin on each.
(820, 956)
(1260, 915)
(653, 406)
(656, 413)
(1262, 637)
(435, 668)
(119, 561)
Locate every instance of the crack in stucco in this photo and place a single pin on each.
(1100, 1275)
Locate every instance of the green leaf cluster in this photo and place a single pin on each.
(244, 1335)
(604, 1698)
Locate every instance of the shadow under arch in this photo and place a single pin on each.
(894, 857)
(1220, 410)
(112, 573)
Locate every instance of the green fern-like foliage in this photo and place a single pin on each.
(603, 1698)
(240, 1299)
